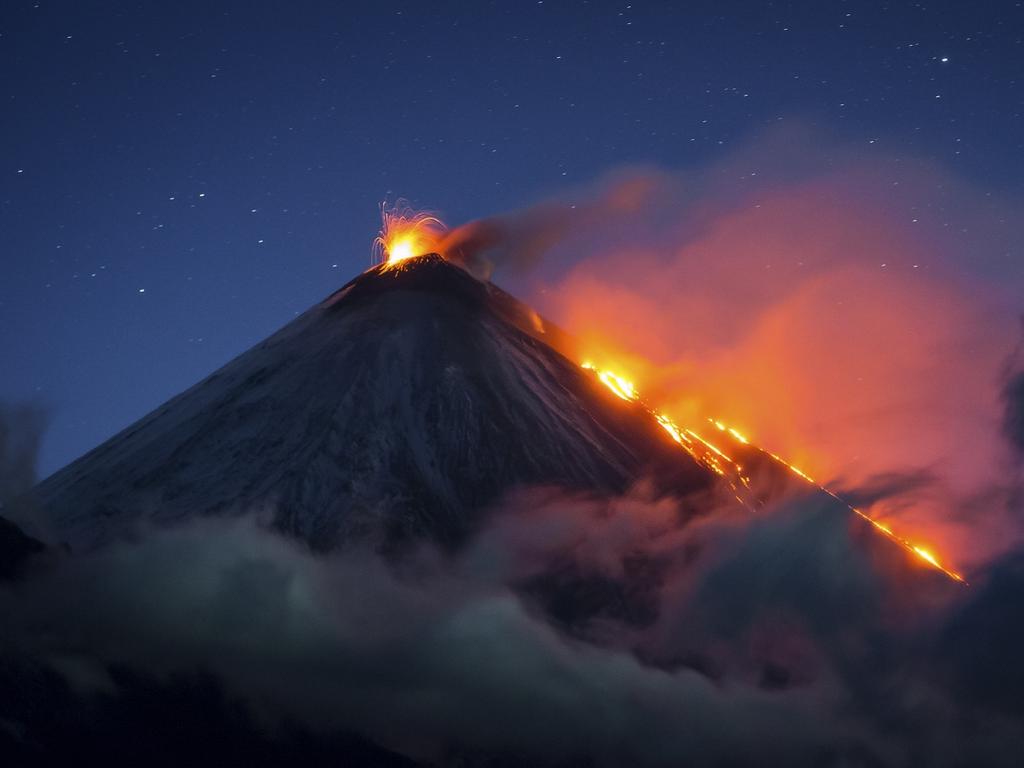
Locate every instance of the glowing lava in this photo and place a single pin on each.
(621, 387)
(715, 458)
(406, 234)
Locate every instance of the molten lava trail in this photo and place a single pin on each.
(721, 462)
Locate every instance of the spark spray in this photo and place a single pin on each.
(406, 234)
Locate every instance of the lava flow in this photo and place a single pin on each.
(406, 234)
(721, 462)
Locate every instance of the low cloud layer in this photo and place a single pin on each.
(792, 637)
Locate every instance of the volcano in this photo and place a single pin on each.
(402, 406)
(408, 407)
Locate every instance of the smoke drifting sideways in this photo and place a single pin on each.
(848, 310)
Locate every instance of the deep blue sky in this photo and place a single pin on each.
(180, 179)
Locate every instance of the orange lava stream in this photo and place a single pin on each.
(710, 455)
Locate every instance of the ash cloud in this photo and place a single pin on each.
(519, 241)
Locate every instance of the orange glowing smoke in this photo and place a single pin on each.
(405, 234)
(715, 458)
(812, 317)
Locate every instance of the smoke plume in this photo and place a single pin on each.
(850, 310)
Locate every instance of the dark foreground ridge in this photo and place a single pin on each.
(401, 406)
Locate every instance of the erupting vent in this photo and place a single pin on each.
(406, 234)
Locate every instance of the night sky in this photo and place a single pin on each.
(180, 179)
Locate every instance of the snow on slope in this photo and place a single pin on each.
(403, 405)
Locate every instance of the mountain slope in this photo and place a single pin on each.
(402, 405)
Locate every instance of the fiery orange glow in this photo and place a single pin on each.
(406, 234)
(719, 461)
(734, 432)
(926, 555)
(621, 387)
